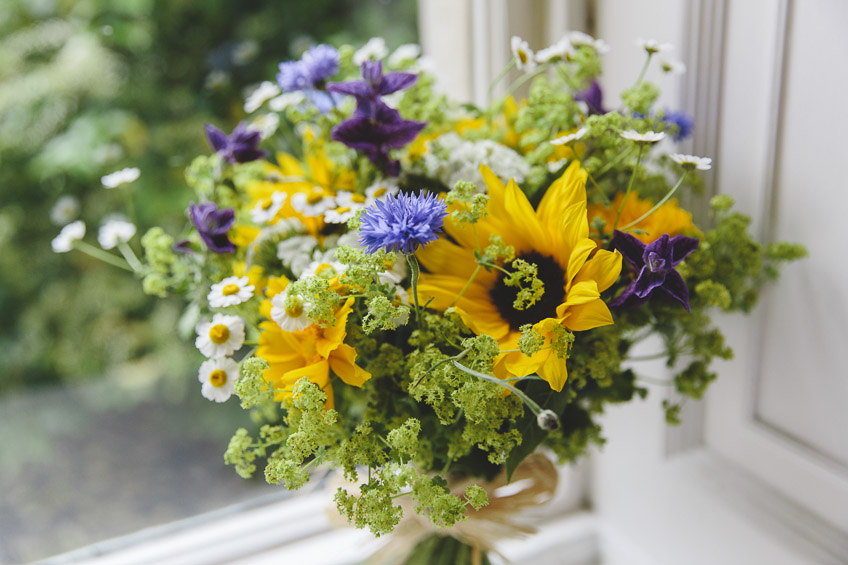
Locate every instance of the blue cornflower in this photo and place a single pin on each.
(684, 122)
(238, 147)
(212, 225)
(402, 223)
(321, 62)
(655, 262)
(294, 75)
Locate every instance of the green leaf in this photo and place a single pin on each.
(531, 434)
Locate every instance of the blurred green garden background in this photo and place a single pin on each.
(88, 87)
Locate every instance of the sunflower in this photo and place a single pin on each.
(667, 219)
(556, 238)
(312, 352)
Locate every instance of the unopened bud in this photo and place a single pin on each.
(547, 420)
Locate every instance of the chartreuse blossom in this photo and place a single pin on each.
(555, 240)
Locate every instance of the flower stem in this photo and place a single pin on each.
(658, 204)
(103, 256)
(414, 271)
(467, 284)
(520, 81)
(128, 254)
(629, 186)
(644, 69)
(499, 78)
(531, 404)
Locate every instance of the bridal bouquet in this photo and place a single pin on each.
(424, 294)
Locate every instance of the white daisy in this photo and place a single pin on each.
(64, 211)
(267, 208)
(404, 54)
(114, 231)
(283, 101)
(380, 190)
(691, 162)
(566, 139)
(653, 46)
(265, 124)
(554, 166)
(312, 203)
(219, 378)
(559, 51)
(375, 49)
(296, 252)
(289, 312)
(326, 267)
(347, 204)
(69, 235)
(672, 66)
(230, 291)
(647, 137)
(261, 94)
(580, 39)
(524, 58)
(220, 337)
(124, 176)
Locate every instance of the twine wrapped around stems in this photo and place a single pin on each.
(533, 483)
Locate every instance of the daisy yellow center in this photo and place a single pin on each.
(314, 198)
(553, 277)
(295, 310)
(342, 209)
(230, 289)
(358, 198)
(522, 55)
(266, 204)
(219, 333)
(218, 378)
(380, 192)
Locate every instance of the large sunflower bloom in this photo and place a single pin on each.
(310, 353)
(556, 238)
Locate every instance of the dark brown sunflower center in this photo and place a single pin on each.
(551, 274)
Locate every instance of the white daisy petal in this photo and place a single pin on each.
(525, 60)
(118, 178)
(69, 235)
(647, 137)
(566, 139)
(289, 312)
(221, 337)
(230, 292)
(267, 208)
(218, 378)
(114, 231)
(691, 162)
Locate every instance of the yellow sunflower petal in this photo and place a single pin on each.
(520, 365)
(442, 256)
(555, 372)
(578, 257)
(524, 219)
(343, 363)
(580, 293)
(604, 268)
(568, 189)
(588, 316)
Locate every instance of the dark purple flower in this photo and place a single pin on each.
(375, 128)
(593, 96)
(656, 262)
(684, 123)
(212, 225)
(374, 85)
(238, 147)
(374, 137)
(402, 223)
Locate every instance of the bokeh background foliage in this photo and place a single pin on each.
(91, 86)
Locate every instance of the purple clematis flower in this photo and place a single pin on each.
(375, 128)
(374, 85)
(593, 96)
(238, 147)
(212, 225)
(402, 223)
(656, 262)
(374, 137)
